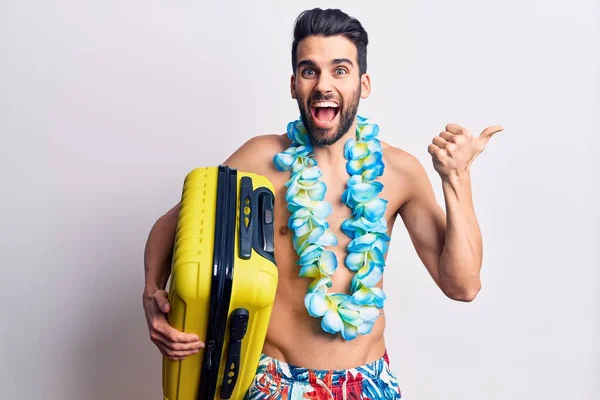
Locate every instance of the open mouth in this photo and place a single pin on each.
(324, 112)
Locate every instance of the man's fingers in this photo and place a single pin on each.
(161, 299)
(440, 142)
(457, 129)
(180, 337)
(172, 354)
(159, 337)
(490, 131)
(161, 325)
(433, 149)
(172, 343)
(449, 137)
(486, 135)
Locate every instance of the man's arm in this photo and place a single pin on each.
(450, 245)
(158, 254)
(159, 251)
(157, 267)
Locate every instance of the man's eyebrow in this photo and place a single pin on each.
(335, 61)
(306, 63)
(341, 61)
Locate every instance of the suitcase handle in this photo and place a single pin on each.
(266, 213)
(237, 330)
(263, 241)
(246, 225)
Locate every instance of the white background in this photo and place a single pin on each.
(105, 106)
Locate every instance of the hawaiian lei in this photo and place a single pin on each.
(354, 314)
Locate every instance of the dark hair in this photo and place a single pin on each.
(327, 23)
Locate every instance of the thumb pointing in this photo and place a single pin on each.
(490, 131)
(487, 134)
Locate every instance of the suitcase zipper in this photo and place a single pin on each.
(222, 277)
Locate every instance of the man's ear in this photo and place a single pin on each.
(293, 86)
(365, 83)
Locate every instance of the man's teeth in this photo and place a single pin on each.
(325, 104)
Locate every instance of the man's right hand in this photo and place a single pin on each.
(172, 343)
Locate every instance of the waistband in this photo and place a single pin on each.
(374, 370)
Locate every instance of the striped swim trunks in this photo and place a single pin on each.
(276, 380)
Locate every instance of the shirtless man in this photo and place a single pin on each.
(329, 77)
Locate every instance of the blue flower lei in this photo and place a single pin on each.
(353, 314)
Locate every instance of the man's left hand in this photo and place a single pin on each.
(454, 149)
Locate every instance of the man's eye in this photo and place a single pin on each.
(340, 71)
(308, 72)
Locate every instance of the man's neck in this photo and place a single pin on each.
(334, 153)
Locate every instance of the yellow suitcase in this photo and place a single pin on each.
(223, 282)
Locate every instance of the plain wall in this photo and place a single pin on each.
(105, 107)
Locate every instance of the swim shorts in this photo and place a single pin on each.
(276, 380)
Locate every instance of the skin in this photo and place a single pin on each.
(449, 245)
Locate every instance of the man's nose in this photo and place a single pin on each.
(324, 85)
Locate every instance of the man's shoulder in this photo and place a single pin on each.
(265, 146)
(400, 161)
(404, 173)
(277, 141)
(258, 151)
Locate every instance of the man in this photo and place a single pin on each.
(326, 334)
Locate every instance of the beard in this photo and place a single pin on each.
(347, 114)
